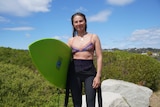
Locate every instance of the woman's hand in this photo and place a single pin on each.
(96, 82)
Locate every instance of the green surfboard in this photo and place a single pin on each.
(51, 57)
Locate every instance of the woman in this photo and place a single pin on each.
(82, 70)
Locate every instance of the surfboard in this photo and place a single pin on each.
(51, 58)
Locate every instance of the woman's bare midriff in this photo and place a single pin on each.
(83, 55)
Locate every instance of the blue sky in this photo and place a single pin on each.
(118, 23)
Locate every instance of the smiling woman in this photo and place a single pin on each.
(82, 69)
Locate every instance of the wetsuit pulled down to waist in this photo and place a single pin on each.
(82, 67)
(82, 71)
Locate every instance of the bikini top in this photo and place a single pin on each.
(90, 47)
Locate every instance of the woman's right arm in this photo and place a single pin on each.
(70, 42)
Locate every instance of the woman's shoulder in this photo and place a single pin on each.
(70, 40)
(93, 36)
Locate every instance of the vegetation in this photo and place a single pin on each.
(136, 68)
(21, 85)
(16, 57)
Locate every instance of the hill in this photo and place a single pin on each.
(21, 85)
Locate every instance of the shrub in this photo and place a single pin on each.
(20, 87)
(136, 68)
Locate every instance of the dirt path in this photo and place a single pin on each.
(155, 99)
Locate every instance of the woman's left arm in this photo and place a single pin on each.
(98, 50)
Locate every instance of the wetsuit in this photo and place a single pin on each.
(83, 71)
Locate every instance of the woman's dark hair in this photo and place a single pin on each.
(79, 14)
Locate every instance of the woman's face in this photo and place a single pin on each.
(79, 23)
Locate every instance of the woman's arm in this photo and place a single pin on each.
(70, 42)
(98, 50)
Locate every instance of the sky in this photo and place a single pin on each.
(119, 24)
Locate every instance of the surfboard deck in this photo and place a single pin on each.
(51, 58)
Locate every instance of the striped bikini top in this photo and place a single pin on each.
(90, 47)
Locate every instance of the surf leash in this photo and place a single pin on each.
(99, 97)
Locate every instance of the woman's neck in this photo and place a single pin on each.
(81, 34)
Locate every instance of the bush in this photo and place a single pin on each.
(20, 87)
(16, 57)
(136, 68)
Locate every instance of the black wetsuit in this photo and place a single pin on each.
(82, 71)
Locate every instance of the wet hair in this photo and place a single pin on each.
(84, 17)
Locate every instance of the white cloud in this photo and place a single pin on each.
(19, 28)
(146, 34)
(100, 17)
(57, 37)
(142, 34)
(141, 38)
(23, 7)
(3, 19)
(27, 35)
(146, 37)
(119, 2)
(81, 9)
(61, 37)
